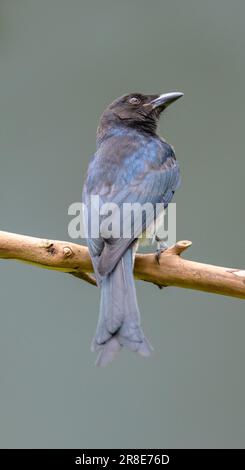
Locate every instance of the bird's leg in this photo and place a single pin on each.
(161, 246)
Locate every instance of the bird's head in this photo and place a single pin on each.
(137, 110)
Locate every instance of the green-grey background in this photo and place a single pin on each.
(61, 63)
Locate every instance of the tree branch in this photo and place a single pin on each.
(172, 270)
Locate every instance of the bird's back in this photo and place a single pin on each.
(123, 159)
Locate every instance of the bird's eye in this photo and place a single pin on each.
(134, 100)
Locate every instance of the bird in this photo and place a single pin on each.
(131, 164)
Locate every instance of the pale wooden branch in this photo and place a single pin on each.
(172, 270)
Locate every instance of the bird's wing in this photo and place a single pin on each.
(148, 174)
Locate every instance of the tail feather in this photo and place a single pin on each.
(107, 352)
(119, 319)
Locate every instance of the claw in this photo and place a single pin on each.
(161, 247)
(158, 255)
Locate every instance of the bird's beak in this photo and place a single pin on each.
(163, 101)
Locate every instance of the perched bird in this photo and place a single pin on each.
(131, 164)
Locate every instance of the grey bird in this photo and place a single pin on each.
(131, 164)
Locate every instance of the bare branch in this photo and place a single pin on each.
(173, 270)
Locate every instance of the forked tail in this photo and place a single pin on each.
(119, 318)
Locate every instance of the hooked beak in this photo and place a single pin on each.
(163, 101)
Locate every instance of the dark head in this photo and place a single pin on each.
(137, 110)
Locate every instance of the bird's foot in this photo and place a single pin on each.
(161, 247)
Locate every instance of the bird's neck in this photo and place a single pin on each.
(123, 128)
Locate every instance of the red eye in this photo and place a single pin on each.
(134, 100)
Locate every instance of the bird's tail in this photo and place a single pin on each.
(119, 318)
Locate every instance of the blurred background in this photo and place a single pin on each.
(61, 63)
